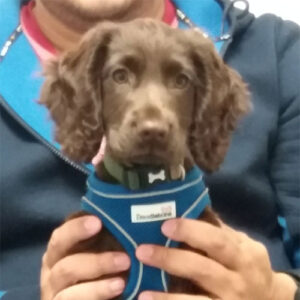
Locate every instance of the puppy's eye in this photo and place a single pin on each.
(120, 76)
(181, 81)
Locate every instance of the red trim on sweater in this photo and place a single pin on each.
(170, 12)
(42, 46)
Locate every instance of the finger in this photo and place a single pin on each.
(165, 296)
(219, 244)
(69, 234)
(96, 290)
(200, 269)
(249, 249)
(239, 235)
(86, 267)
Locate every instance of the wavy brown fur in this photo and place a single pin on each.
(71, 93)
(222, 98)
(85, 103)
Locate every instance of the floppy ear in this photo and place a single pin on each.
(221, 99)
(72, 93)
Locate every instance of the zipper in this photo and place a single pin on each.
(52, 148)
(228, 13)
(223, 37)
(12, 38)
(10, 41)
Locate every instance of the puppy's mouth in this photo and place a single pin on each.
(148, 160)
(132, 152)
(149, 156)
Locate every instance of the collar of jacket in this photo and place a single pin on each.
(234, 20)
(21, 80)
(239, 20)
(135, 217)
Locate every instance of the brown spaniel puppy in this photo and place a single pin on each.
(159, 95)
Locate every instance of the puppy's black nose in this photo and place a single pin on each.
(153, 131)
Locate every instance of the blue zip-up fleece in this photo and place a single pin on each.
(256, 190)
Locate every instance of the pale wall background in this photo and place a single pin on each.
(287, 9)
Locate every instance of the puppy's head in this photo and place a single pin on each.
(158, 94)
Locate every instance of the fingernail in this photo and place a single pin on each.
(144, 252)
(169, 227)
(122, 262)
(117, 285)
(145, 296)
(92, 224)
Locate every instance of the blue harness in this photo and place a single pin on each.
(135, 217)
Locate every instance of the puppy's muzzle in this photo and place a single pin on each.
(153, 131)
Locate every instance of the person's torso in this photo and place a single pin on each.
(38, 189)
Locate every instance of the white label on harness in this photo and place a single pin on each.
(153, 212)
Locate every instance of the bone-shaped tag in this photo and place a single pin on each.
(157, 176)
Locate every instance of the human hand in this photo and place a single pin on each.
(75, 276)
(237, 267)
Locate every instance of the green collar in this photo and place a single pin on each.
(137, 177)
